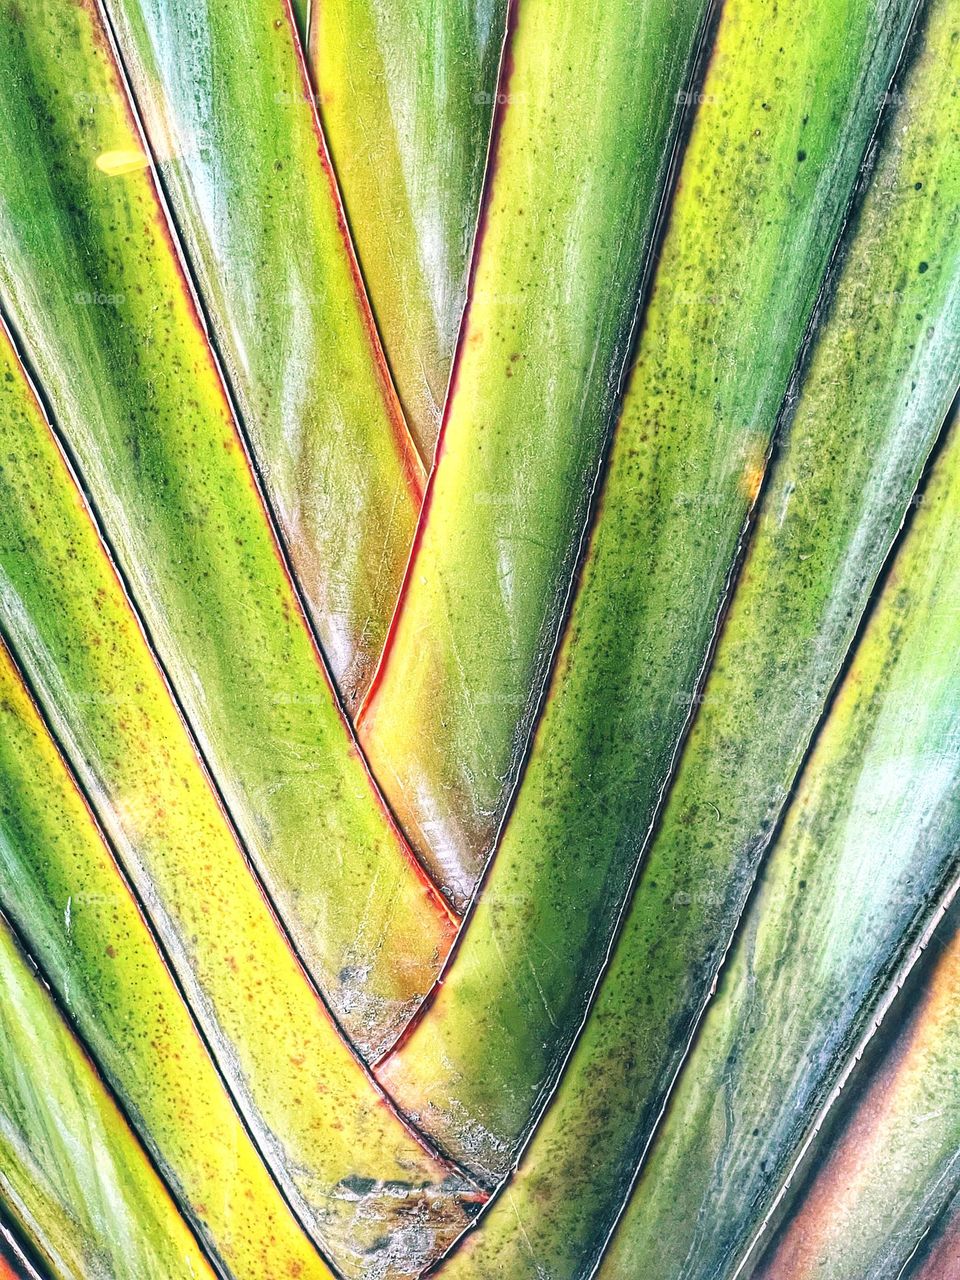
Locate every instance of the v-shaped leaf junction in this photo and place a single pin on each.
(479, 691)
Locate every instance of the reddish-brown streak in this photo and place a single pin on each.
(502, 98)
(431, 892)
(409, 455)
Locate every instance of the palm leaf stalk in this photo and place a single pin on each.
(682, 476)
(72, 1171)
(831, 508)
(505, 878)
(60, 889)
(271, 1035)
(407, 100)
(226, 104)
(893, 1168)
(109, 328)
(868, 842)
(535, 387)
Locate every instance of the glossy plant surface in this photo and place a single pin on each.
(479, 664)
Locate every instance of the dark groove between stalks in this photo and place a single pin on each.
(784, 413)
(19, 1252)
(427, 1144)
(166, 1179)
(313, 85)
(682, 127)
(93, 514)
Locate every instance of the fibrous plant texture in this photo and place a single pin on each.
(479, 640)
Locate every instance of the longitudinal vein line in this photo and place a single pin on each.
(87, 498)
(269, 511)
(921, 1247)
(682, 126)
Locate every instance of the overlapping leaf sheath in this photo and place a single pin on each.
(583, 149)
(228, 110)
(868, 842)
(92, 284)
(406, 96)
(60, 887)
(883, 368)
(334, 1145)
(893, 1164)
(734, 290)
(70, 1168)
(301, 15)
